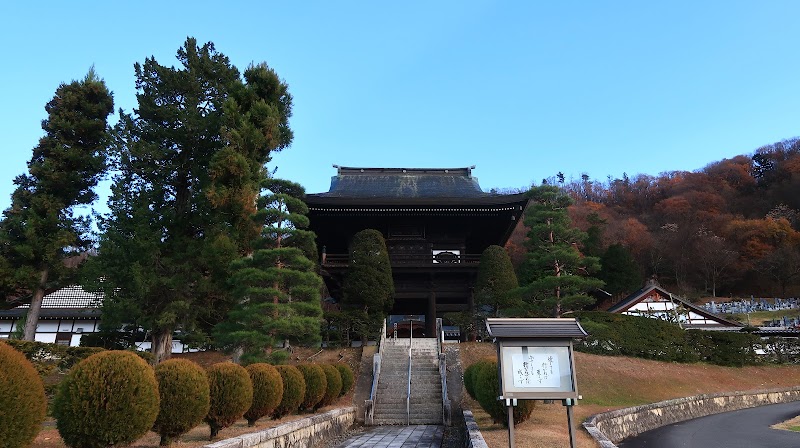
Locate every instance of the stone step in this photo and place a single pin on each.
(414, 421)
(420, 400)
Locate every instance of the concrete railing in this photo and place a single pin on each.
(369, 404)
(474, 438)
(611, 427)
(305, 432)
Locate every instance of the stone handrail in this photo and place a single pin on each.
(369, 404)
(446, 410)
(608, 428)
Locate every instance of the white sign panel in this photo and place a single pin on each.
(536, 370)
(531, 372)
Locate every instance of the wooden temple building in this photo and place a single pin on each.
(436, 223)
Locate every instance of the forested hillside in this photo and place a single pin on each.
(731, 228)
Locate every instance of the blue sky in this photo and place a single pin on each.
(520, 89)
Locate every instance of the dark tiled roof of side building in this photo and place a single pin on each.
(70, 297)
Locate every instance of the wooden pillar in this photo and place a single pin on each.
(430, 317)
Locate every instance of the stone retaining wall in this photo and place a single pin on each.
(306, 432)
(474, 437)
(608, 428)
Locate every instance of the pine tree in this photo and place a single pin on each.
(42, 228)
(190, 162)
(368, 288)
(277, 287)
(555, 276)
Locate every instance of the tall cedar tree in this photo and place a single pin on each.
(496, 280)
(555, 276)
(368, 289)
(277, 287)
(190, 162)
(41, 229)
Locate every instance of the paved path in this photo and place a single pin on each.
(747, 428)
(417, 436)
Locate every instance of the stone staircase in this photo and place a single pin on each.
(426, 384)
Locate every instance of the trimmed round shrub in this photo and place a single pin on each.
(267, 391)
(184, 392)
(22, 399)
(469, 376)
(334, 379)
(348, 379)
(486, 388)
(109, 398)
(316, 385)
(231, 393)
(294, 390)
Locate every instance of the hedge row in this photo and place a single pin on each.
(112, 398)
(643, 337)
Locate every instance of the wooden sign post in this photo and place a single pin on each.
(535, 362)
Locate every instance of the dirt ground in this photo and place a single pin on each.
(607, 383)
(48, 437)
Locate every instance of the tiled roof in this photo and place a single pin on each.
(637, 296)
(535, 328)
(404, 183)
(70, 297)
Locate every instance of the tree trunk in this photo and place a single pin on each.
(36, 306)
(161, 346)
(236, 356)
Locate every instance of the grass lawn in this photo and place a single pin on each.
(608, 382)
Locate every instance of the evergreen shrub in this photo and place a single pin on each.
(183, 388)
(348, 379)
(636, 336)
(724, 349)
(316, 385)
(47, 357)
(109, 398)
(22, 399)
(267, 391)
(294, 390)
(486, 388)
(334, 381)
(231, 394)
(471, 373)
(645, 337)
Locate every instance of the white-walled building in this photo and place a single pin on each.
(656, 302)
(66, 315)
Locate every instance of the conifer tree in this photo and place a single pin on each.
(42, 227)
(277, 287)
(368, 288)
(619, 271)
(496, 280)
(190, 162)
(555, 276)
